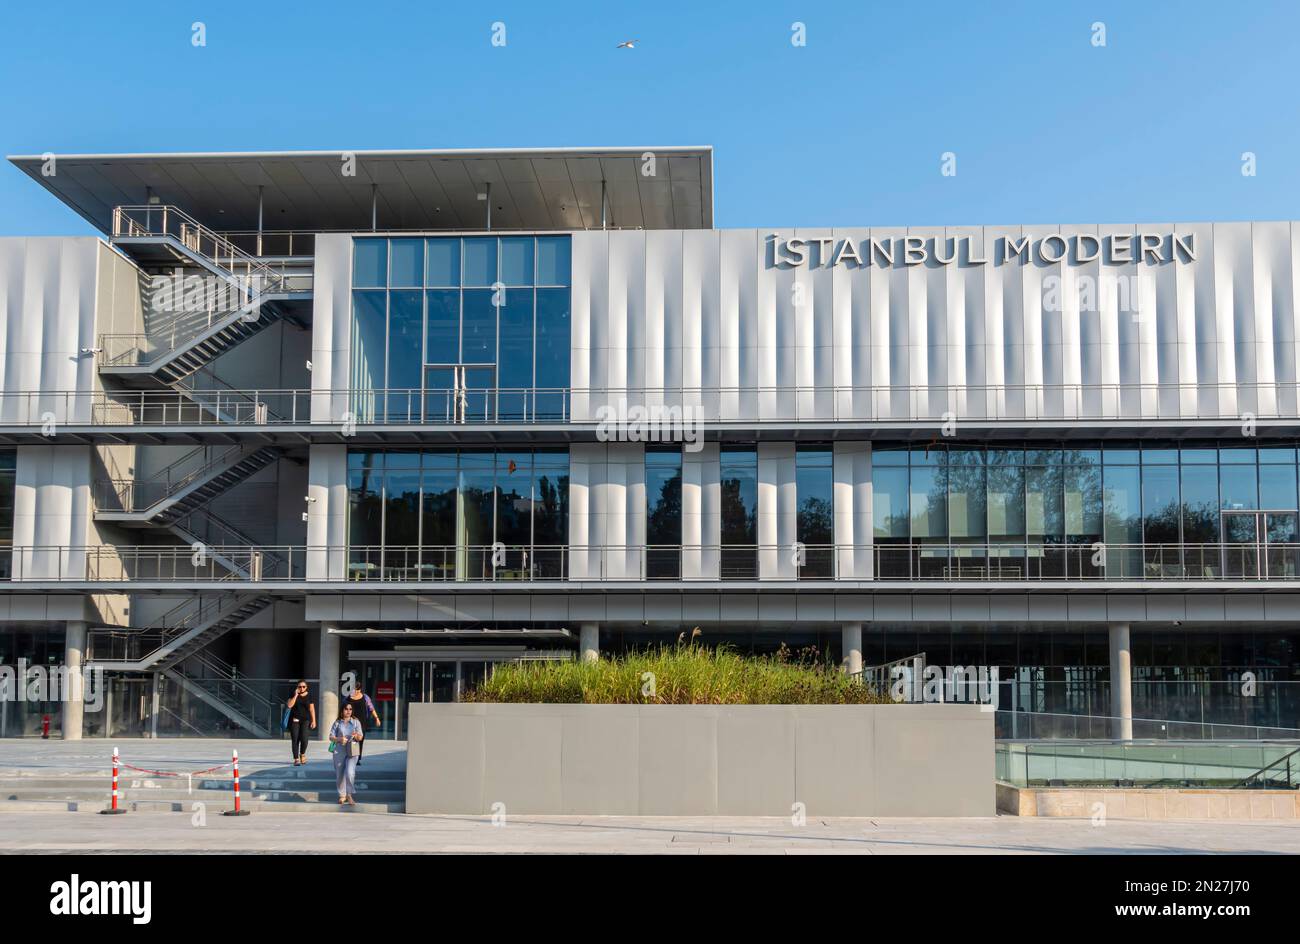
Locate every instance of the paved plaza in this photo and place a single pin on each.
(35, 827)
(400, 833)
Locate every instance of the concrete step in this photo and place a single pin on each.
(208, 796)
(177, 806)
(246, 784)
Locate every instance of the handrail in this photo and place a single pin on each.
(252, 278)
(140, 221)
(1285, 757)
(140, 495)
(225, 675)
(717, 406)
(1036, 564)
(225, 528)
(1152, 729)
(140, 644)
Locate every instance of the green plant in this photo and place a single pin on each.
(684, 674)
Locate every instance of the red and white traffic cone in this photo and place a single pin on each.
(114, 807)
(236, 811)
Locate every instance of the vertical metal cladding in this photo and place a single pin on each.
(704, 318)
(48, 292)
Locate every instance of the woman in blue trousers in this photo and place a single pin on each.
(345, 736)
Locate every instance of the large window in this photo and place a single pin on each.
(419, 515)
(739, 513)
(8, 459)
(1155, 510)
(815, 519)
(663, 526)
(449, 329)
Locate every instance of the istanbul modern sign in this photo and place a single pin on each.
(826, 252)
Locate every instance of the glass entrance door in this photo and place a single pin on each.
(419, 682)
(459, 393)
(1260, 544)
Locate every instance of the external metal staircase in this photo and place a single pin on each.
(175, 636)
(217, 683)
(204, 528)
(252, 298)
(181, 488)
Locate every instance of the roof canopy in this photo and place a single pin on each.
(559, 188)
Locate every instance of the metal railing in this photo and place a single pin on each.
(1225, 763)
(225, 682)
(247, 279)
(1042, 563)
(132, 645)
(650, 407)
(622, 408)
(1058, 726)
(139, 495)
(163, 220)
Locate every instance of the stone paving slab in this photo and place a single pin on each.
(35, 757)
(362, 832)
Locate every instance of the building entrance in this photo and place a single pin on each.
(394, 681)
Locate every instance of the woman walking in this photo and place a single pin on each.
(363, 710)
(345, 738)
(302, 720)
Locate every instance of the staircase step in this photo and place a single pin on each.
(330, 805)
(326, 792)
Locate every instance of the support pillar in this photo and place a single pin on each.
(851, 648)
(74, 651)
(1121, 682)
(327, 701)
(589, 642)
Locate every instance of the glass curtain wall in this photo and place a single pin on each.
(451, 329)
(663, 529)
(739, 479)
(1159, 510)
(8, 465)
(469, 514)
(815, 516)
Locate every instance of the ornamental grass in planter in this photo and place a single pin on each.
(686, 674)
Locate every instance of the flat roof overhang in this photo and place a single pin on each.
(531, 188)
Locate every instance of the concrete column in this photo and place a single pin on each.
(1121, 682)
(589, 642)
(851, 648)
(74, 651)
(327, 702)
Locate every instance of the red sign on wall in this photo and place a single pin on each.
(384, 691)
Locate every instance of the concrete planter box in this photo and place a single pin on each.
(698, 760)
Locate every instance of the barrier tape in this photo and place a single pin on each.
(176, 773)
(189, 775)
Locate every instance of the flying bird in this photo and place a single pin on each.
(628, 44)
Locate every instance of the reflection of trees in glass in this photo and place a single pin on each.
(664, 523)
(739, 522)
(550, 514)
(816, 521)
(365, 501)
(1047, 504)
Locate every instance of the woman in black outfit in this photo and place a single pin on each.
(302, 720)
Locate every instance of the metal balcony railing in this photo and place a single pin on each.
(159, 220)
(656, 407)
(245, 281)
(952, 565)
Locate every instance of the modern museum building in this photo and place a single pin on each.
(410, 414)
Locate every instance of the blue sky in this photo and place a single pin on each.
(847, 130)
